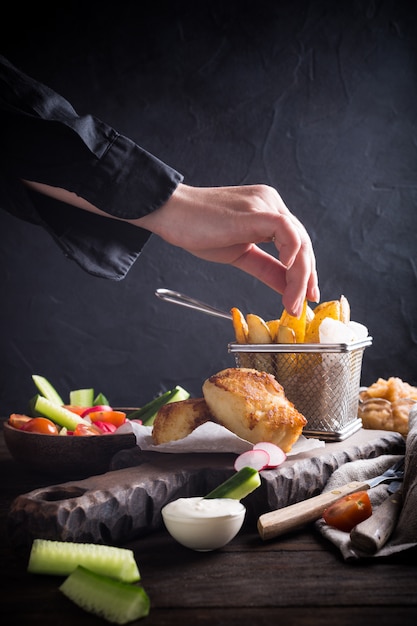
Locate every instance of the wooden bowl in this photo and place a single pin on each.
(62, 456)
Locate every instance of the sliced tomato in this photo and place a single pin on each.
(86, 430)
(41, 425)
(79, 410)
(349, 511)
(117, 418)
(18, 421)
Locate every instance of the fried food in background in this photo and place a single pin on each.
(391, 389)
(253, 405)
(176, 420)
(385, 405)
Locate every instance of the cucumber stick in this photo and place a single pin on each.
(238, 486)
(47, 390)
(100, 399)
(148, 412)
(61, 558)
(58, 414)
(114, 601)
(82, 397)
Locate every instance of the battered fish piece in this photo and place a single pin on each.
(178, 419)
(253, 405)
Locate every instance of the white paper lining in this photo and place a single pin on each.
(208, 437)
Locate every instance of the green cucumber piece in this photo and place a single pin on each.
(175, 395)
(82, 397)
(47, 390)
(114, 601)
(31, 407)
(237, 486)
(150, 407)
(61, 558)
(101, 399)
(58, 414)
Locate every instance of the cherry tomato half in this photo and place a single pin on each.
(18, 421)
(86, 430)
(41, 425)
(117, 418)
(349, 511)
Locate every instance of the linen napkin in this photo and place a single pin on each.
(404, 536)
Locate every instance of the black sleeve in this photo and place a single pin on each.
(44, 140)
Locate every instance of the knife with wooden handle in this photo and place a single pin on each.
(294, 516)
(373, 533)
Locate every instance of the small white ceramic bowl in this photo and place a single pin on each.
(201, 524)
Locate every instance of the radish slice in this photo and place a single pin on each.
(276, 455)
(257, 459)
(94, 409)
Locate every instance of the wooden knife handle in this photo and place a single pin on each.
(370, 535)
(294, 516)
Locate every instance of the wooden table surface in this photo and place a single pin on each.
(298, 579)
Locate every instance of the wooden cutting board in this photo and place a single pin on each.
(126, 502)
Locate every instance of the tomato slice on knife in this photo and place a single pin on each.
(349, 511)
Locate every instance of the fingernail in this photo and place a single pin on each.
(297, 309)
(316, 294)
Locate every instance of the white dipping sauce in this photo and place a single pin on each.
(204, 508)
(203, 524)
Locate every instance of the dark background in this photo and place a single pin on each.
(318, 99)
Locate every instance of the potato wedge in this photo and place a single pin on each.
(258, 331)
(240, 325)
(285, 334)
(273, 326)
(323, 310)
(298, 324)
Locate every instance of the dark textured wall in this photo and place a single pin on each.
(318, 99)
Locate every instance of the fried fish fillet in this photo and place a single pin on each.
(253, 405)
(178, 419)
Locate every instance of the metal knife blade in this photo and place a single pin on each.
(373, 533)
(294, 516)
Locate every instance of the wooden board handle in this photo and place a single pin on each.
(281, 521)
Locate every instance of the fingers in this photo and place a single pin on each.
(296, 253)
(301, 283)
(264, 267)
(295, 283)
(287, 239)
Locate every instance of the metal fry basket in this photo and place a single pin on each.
(321, 380)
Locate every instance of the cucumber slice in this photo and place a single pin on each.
(114, 601)
(31, 407)
(61, 558)
(237, 486)
(82, 397)
(58, 414)
(175, 395)
(101, 399)
(150, 407)
(47, 390)
(148, 412)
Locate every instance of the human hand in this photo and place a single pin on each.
(225, 224)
